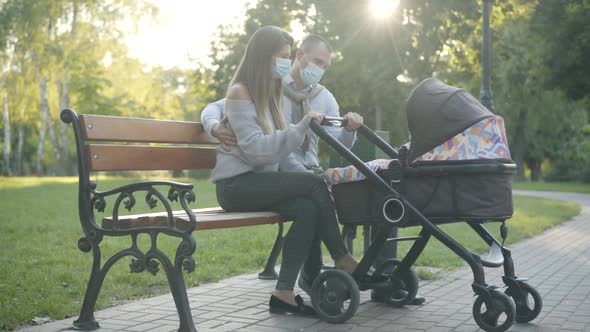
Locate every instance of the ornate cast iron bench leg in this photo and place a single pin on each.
(86, 321)
(147, 261)
(184, 260)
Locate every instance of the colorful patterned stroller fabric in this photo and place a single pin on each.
(484, 140)
(351, 173)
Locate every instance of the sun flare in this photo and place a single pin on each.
(383, 8)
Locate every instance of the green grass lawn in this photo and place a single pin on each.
(42, 272)
(575, 187)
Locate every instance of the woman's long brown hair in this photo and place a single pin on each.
(255, 72)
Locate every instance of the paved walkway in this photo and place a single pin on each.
(557, 262)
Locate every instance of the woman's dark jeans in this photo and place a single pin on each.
(300, 197)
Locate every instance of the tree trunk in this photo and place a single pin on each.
(54, 143)
(64, 102)
(65, 161)
(74, 19)
(19, 150)
(520, 145)
(44, 115)
(535, 167)
(7, 140)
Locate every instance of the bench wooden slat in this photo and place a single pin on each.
(138, 130)
(107, 157)
(208, 218)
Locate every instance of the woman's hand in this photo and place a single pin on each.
(319, 117)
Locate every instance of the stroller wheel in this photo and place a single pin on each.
(335, 296)
(528, 302)
(403, 285)
(496, 318)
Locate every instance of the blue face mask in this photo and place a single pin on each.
(311, 74)
(282, 67)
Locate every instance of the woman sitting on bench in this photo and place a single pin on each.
(247, 177)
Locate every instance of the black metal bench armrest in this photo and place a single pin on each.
(183, 193)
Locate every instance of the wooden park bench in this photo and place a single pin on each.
(109, 143)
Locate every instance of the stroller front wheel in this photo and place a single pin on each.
(335, 296)
(498, 315)
(528, 302)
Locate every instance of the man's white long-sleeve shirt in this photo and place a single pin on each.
(300, 160)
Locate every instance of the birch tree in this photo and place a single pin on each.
(57, 46)
(7, 139)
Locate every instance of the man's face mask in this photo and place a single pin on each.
(312, 73)
(282, 67)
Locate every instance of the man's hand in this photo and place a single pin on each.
(354, 121)
(224, 134)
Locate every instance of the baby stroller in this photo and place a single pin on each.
(457, 168)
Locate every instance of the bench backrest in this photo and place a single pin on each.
(112, 143)
(115, 143)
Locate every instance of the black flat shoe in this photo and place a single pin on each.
(278, 306)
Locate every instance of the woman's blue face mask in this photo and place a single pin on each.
(282, 67)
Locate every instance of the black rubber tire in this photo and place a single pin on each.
(403, 285)
(330, 290)
(525, 312)
(387, 266)
(488, 320)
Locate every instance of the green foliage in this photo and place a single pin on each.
(572, 162)
(539, 66)
(427, 273)
(380, 61)
(565, 26)
(557, 126)
(67, 43)
(377, 62)
(542, 121)
(230, 42)
(419, 41)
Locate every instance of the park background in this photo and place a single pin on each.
(115, 57)
(57, 54)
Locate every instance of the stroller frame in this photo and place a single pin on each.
(514, 304)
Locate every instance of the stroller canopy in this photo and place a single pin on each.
(437, 112)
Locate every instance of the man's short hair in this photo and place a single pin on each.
(314, 40)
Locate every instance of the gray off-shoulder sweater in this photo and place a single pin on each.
(255, 151)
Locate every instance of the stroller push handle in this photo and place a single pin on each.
(332, 121)
(378, 141)
(366, 132)
(353, 159)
